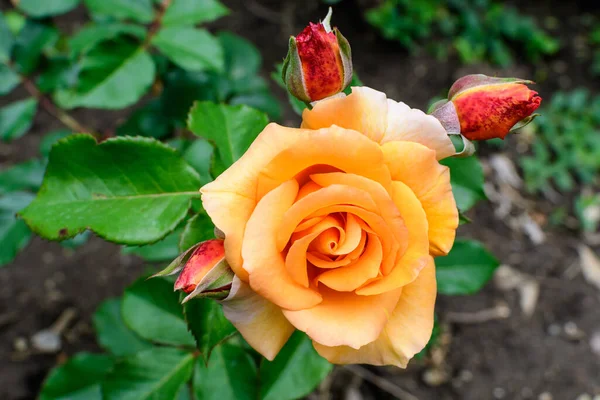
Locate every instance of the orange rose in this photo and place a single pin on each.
(331, 229)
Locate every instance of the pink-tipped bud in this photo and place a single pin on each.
(482, 107)
(206, 272)
(318, 63)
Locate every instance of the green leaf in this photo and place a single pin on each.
(242, 58)
(78, 379)
(230, 374)
(50, 139)
(157, 373)
(16, 119)
(295, 372)
(466, 177)
(44, 8)
(90, 35)
(231, 128)
(149, 121)
(192, 12)
(190, 48)
(127, 190)
(136, 10)
(33, 39)
(152, 310)
(182, 89)
(198, 229)
(113, 75)
(164, 250)
(261, 100)
(59, 73)
(6, 40)
(14, 233)
(24, 176)
(466, 269)
(199, 155)
(8, 78)
(207, 323)
(112, 333)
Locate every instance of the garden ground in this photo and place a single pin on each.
(500, 343)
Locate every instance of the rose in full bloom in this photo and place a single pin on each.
(332, 229)
(318, 63)
(481, 107)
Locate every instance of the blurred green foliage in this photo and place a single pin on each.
(567, 145)
(594, 39)
(478, 30)
(566, 149)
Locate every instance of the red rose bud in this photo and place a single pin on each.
(206, 272)
(318, 63)
(487, 107)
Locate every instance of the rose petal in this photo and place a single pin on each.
(329, 196)
(264, 262)
(343, 149)
(345, 318)
(413, 125)
(416, 166)
(364, 110)
(230, 199)
(413, 260)
(348, 278)
(251, 313)
(406, 333)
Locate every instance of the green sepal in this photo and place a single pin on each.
(292, 73)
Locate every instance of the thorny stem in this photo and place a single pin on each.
(61, 114)
(157, 23)
(53, 109)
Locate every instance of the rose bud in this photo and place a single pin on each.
(204, 271)
(318, 63)
(481, 107)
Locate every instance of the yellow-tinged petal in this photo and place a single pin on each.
(345, 319)
(259, 321)
(230, 199)
(349, 277)
(416, 166)
(364, 110)
(329, 196)
(264, 262)
(414, 259)
(406, 333)
(413, 125)
(344, 149)
(387, 208)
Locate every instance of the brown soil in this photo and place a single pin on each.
(518, 357)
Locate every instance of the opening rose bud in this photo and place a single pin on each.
(206, 272)
(486, 108)
(318, 63)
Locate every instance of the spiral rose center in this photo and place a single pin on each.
(347, 232)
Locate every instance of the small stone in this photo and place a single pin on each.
(572, 331)
(465, 375)
(435, 377)
(526, 393)
(554, 330)
(595, 345)
(20, 344)
(46, 341)
(545, 396)
(49, 284)
(499, 393)
(47, 257)
(584, 396)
